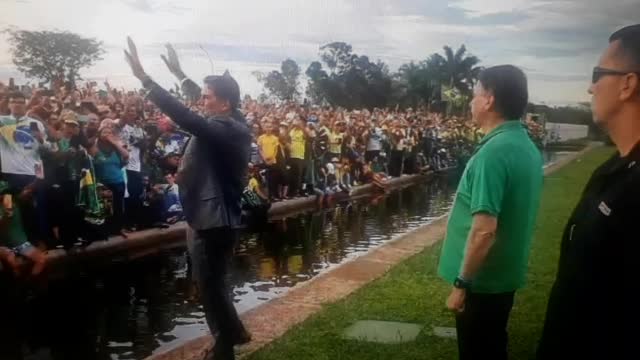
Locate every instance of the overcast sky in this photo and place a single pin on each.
(555, 42)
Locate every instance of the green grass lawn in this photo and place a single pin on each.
(412, 292)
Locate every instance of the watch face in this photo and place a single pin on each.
(461, 284)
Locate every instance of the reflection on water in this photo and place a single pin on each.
(150, 304)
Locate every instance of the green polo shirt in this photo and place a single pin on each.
(503, 178)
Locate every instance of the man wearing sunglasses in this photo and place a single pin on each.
(590, 308)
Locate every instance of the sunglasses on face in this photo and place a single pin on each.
(599, 72)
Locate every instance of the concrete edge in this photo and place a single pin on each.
(150, 240)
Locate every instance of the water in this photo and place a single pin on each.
(134, 309)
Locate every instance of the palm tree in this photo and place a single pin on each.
(458, 70)
(416, 81)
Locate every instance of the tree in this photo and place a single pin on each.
(457, 70)
(283, 84)
(290, 72)
(51, 55)
(416, 84)
(353, 81)
(318, 83)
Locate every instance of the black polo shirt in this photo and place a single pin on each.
(593, 300)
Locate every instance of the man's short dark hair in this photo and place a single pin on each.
(16, 95)
(225, 87)
(630, 43)
(509, 87)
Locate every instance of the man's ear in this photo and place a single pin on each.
(490, 102)
(630, 87)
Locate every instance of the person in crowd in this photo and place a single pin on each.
(13, 238)
(255, 159)
(600, 241)
(486, 249)
(256, 184)
(297, 151)
(22, 140)
(210, 188)
(133, 139)
(64, 182)
(269, 148)
(398, 141)
(282, 160)
(336, 137)
(373, 138)
(109, 159)
(172, 210)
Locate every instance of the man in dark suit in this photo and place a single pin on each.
(210, 177)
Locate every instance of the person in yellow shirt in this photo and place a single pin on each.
(297, 151)
(336, 137)
(254, 183)
(269, 146)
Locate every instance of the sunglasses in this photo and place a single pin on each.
(599, 72)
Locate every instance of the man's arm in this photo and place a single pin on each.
(480, 240)
(489, 181)
(217, 131)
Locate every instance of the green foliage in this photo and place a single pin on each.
(352, 81)
(413, 292)
(343, 78)
(417, 84)
(282, 85)
(458, 70)
(51, 55)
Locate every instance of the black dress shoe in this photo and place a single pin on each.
(222, 351)
(242, 337)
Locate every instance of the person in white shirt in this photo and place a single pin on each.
(21, 140)
(133, 137)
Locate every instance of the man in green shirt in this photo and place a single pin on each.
(486, 250)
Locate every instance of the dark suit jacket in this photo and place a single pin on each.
(214, 165)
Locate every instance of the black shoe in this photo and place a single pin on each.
(221, 351)
(243, 337)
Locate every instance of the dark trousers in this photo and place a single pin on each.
(295, 176)
(63, 212)
(133, 204)
(370, 155)
(210, 251)
(274, 179)
(482, 326)
(117, 191)
(395, 162)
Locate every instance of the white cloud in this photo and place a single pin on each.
(476, 8)
(552, 38)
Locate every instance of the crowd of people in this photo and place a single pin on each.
(82, 164)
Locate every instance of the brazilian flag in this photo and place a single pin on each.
(88, 199)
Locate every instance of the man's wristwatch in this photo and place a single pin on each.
(460, 283)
